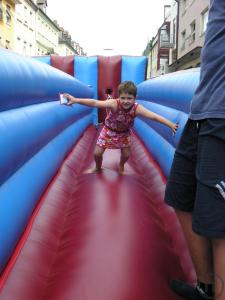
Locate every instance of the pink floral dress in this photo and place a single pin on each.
(116, 133)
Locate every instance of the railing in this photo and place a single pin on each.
(167, 43)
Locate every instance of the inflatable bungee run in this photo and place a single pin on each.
(69, 235)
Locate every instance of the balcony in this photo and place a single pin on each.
(65, 39)
(166, 45)
(167, 42)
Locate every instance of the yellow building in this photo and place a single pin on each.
(7, 13)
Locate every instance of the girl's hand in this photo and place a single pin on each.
(69, 98)
(174, 128)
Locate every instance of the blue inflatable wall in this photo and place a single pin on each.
(134, 69)
(86, 69)
(170, 96)
(45, 59)
(174, 90)
(36, 133)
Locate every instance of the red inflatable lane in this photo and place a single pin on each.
(109, 77)
(101, 236)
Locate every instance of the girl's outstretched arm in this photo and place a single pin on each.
(111, 103)
(143, 112)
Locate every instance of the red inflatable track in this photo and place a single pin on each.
(100, 236)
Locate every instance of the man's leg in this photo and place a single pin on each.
(200, 248)
(209, 210)
(219, 268)
(125, 154)
(181, 194)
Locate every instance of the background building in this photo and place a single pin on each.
(192, 21)
(47, 34)
(66, 45)
(178, 43)
(158, 48)
(25, 26)
(26, 29)
(173, 19)
(152, 58)
(7, 23)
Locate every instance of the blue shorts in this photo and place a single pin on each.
(197, 179)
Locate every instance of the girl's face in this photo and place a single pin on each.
(126, 100)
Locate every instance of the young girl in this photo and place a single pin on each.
(116, 133)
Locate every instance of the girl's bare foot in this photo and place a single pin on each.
(93, 170)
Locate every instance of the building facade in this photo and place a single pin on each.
(35, 33)
(158, 57)
(47, 34)
(173, 19)
(66, 46)
(152, 58)
(178, 43)
(25, 26)
(7, 23)
(192, 21)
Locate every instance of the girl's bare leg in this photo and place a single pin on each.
(125, 154)
(98, 156)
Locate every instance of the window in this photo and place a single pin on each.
(7, 44)
(19, 44)
(31, 47)
(174, 30)
(1, 11)
(25, 15)
(205, 16)
(8, 15)
(31, 19)
(183, 39)
(184, 6)
(19, 12)
(24, 47)
(192, 36)
(164, 36)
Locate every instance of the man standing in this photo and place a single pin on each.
(196, 186)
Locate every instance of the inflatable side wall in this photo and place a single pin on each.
(36, 133)
(100, 72)
(169, 96)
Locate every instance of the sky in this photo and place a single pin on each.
(124, 26)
